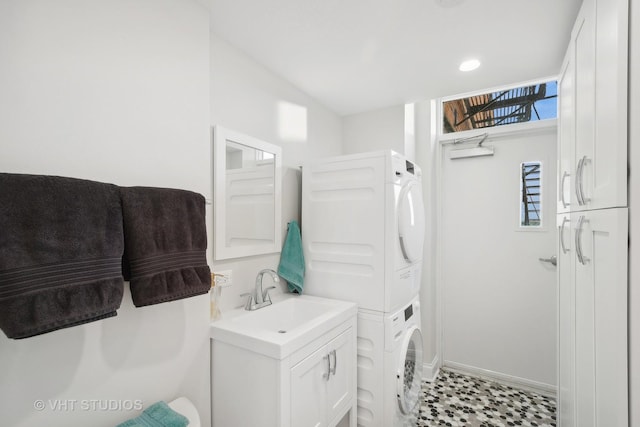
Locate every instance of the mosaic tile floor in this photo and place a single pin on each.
(454, 399)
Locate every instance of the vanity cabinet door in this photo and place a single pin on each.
(321, 384)
(309, 390)
(339, 386)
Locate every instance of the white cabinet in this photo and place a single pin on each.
(605, 165)
(566, 131)
(313, 386)
(321, 384)
(566, 324)
(309, 391)
(592, 220)
(600, 274)
(593, 93)
(592, 380)
(584, 51)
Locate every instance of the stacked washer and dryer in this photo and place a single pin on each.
(363, 233)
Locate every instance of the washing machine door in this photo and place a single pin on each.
(409, 374)
(411, 221)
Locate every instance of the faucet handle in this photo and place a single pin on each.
(265, 293)
(247, 306)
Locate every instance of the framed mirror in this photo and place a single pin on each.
(247, 192)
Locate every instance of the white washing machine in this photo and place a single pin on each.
(391, 344)
(363, 229)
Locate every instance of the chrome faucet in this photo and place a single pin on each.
(260, 298)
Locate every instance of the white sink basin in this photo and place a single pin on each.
(283, 327)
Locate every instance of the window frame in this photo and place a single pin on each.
(541, 218)
(495, 130)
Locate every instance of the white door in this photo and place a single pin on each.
(498, 299)
(584, 96)
(601, 50)
(566, 132)
(600, 259)
(339, 386)
(309, 390)
(566, 324)
(409, 375)
(411, 222)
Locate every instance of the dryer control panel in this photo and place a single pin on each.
(403, 167)
(410, 167)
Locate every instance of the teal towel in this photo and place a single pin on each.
(291, 267)
(157, 415)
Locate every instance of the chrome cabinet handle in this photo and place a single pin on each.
(577, 237)
(581, 258)
(327, 375)
(577, 184)
(562, 245)
(564, 176)
(580, 182)
(335, 362)
(585, 200)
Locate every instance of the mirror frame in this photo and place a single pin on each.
(221, 251)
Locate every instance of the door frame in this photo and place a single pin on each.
(440, 140)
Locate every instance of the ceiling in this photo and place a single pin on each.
(360, 55)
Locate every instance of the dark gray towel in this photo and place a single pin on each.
(61, 248)
(165, 244)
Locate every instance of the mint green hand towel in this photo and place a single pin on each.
(157, 415)
(291, 267)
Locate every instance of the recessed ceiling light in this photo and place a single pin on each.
(469, 65)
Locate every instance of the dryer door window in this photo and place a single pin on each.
(409, 375)
(411, 222)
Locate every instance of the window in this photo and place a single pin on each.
(530, 194)
(523, 104)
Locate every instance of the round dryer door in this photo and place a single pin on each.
(411, 221)
(409, 375)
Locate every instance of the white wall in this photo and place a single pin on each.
(113, 91)
(634, 216)
(248, 98)
(126, 93)
(426, 157)
(375, 130)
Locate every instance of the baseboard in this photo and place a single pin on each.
(544, 389)
(430, 370)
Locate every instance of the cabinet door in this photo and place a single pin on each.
(601, 43)
(309, 390)
(343, 367)
(607, 172)
(566, 324)
(601, 317)
(584, 41)
(566, 126)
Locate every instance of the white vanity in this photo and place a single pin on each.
(291, 364)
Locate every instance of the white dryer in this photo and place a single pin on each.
(391, 344)
(363, 229)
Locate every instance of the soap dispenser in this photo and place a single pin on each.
(214, 296)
